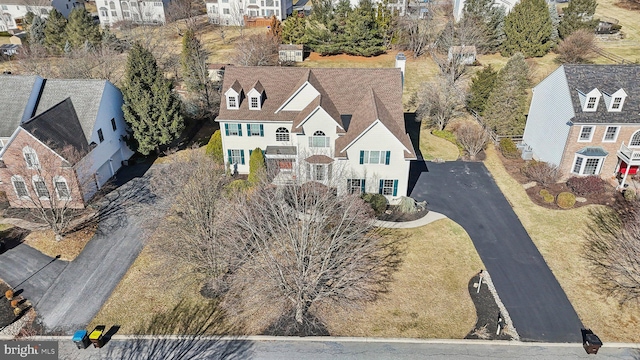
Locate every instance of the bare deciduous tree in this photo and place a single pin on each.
(613, 250)
(577, 48)
(186, 12)
(438, 102)
(472, 137)
(257, 50)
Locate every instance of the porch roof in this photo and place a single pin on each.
(595, 151)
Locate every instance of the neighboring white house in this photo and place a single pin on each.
(232, 12)
(98, 105)
(12, 12)
(400, 6)
(139, 12)
(340, 127)
(458, 6)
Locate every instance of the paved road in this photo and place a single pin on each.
(466, 193)
(68, 296)
(331, 349)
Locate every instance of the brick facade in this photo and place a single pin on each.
(51, 165)
(625, 133)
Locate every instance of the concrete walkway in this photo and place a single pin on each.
(427, 219)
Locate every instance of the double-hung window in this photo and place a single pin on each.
(611, 134)
(255, 130)
(318, 140)
(586, 132)
(356, 186)
(375, 157)
(616, 103)
(388, 187)
(235, 156)
(41, 187)
(20, 186)
(587, 165)
(31, 158)
(233, 129)
(62, 189)
(591, 103)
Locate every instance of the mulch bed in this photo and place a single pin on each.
(487, 312)
(6, 312)
(394, 214)
(513, 166)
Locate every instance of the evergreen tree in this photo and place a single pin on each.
(194, 68)
(528, 29)
(294, 29)
(578, 15)
(257, 167)
(150, 107)
(507, 103)
(81, 28)
(481, 86)
(36, 31)
(55, 36)
(555, 22)
(490, 20)
(363, 35)
(322, 11)
(214, 148)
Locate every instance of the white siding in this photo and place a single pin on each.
(306, 95)
(547, 126)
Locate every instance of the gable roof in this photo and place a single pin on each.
(341, 93)
(15, 92)
(85, 94)
(607, 79)
(59, 128)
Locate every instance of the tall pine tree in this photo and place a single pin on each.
(55, 36)
(294, 29)
(490, 19)
(507, 103)
(36, 30)
(150, 107)
(364, 36)
(578, 15)
(81, 29)
(528, 29)
(194, 68)
(481, 86)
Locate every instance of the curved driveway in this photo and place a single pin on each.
(466, 193)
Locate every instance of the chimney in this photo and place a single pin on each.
(401, 61)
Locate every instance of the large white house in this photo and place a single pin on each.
(12, 12)
(340, 127)
(458, 6)
(232, 12)
(139, 12)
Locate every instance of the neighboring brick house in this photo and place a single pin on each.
(80, 121)
(585, 119)
(340, 127)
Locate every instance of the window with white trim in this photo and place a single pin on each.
(586, 132)
(591, 103)
(62, 188)
(236, 156)
(233, 129)
(40, 187)
(255, 130)
(19, 186)
(318, 140)
(375, 157)
(282, 134)
(319, 172)
(611, 134)
(31, 158)
(583, 165)
(616, 103)
(356, 186)
(635, 139)
(388, 187)
(255, 103)
(232, 101)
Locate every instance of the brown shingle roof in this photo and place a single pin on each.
(319, 159)
(348, 91)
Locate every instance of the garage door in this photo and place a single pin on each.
(103, 174)
(116, 160)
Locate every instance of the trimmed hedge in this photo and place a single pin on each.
(588, 185)
(630, 195)
(508, 149)
(547, 196)
(566, 200)
(377, 201)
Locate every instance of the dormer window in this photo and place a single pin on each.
(255, 102)
(590, 100)
(234, 95)
(591, 104)
(256, 96)
(232, 102)
(616, 103)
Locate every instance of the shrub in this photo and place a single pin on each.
(407, 205)
(8, 294)
(546, 196)
(566, 200)
(377, 201)
(541, 172)
(508, 148)
(214, 147)
(238, 186)
(14, 303)
(449, 136)
(585, 186)
(629, 195)
(257, 166)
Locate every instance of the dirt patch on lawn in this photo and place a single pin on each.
(513, 166)
(628, 5)
(68, 248)
(390, 56)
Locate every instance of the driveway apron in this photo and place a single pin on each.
(466, 193)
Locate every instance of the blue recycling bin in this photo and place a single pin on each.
(81, 339)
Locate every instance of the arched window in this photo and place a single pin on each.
(62, 188)
(318, 133)
(30, 157)
(40, 187)
(282, 134)
(124, 6)
(635, 139)
(112, 5)
(318, 140)
(19, 186)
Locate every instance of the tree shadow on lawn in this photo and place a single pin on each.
(286, 325)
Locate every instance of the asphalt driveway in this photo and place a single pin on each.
(466, 193)
(68, 295)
